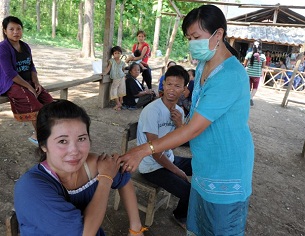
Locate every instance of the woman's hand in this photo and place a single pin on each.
(38, 89)
(32, 90)
(131, 159)
(108, 164)
(148, 91)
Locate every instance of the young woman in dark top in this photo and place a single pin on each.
(18, 75)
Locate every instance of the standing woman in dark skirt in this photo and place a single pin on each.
(18, 75)
(145, 54)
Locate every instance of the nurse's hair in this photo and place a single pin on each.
(209, 17)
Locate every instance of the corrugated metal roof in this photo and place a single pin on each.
(271, 34)
(284, 15)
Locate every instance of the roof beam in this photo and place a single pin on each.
(265, 24)
(176, 9)
(293, 16)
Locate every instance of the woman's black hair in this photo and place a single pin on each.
(49, 114)
(178, 71)
(8, 20)
(209, 18)
(116, 49)
(132, 66)
(256, 48)
(231, 49)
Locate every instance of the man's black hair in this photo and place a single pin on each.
(178, 71)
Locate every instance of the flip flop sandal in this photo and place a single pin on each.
(139, 233)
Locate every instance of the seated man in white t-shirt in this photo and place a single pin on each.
(156, 120)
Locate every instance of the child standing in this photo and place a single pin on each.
(116, 68)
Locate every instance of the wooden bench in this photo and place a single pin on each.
(294, 101)
(64, 86)
(156, 196)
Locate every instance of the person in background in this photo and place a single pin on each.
(220, 138)
(156, 120)
(185, 100)
(268, 58)
(116, 67)
(67, 192)
(18, 75)
(282, 62)
(255, 61)
(145, 54)
(136, 95)
(160, 87)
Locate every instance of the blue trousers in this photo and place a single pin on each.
(174, 184)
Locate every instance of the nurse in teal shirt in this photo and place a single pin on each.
(220, 139)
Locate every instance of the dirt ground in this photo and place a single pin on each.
(278, 201)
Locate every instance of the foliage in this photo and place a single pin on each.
(67, 25)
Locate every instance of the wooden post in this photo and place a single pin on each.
(103, 98)
(171, 41)
(157, 29)
(284, 102)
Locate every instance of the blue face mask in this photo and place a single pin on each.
(200, 50)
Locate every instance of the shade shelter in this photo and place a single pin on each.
(281, 30)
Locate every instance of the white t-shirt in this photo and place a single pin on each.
(155, 119)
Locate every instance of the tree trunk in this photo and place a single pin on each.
(171, 41)
(157, 29)
(79, 36)
(120, 28)
(103, 99)
(4, 12)
(53, 19)
(87, 48)
(168, 32)
(23, 7)
(140, 20)
(38, 15)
